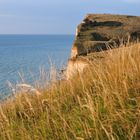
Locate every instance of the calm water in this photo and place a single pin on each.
(26, 53)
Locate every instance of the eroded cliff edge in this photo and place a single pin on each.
(98, 32)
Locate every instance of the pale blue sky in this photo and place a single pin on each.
(56, 16)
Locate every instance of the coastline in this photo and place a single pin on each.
(99, 100)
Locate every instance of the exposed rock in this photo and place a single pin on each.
(75, 66)
(99, 32)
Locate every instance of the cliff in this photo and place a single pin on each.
(99, 32)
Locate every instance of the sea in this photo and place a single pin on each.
(22, 57)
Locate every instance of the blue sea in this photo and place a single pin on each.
(24, 55)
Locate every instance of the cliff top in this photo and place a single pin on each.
(98, 31)
(114, 20)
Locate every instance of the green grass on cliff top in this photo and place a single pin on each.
(101, 104)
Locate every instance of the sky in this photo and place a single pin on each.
(56, 16)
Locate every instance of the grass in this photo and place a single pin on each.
(102, 103)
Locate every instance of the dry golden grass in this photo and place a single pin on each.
(101, 104)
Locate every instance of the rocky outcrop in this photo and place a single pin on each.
(99, 32)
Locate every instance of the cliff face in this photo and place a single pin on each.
(75, 66)
(99, 32)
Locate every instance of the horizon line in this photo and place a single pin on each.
(37, 34)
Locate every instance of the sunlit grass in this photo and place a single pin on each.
(102, 103)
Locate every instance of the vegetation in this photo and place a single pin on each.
(101, 104)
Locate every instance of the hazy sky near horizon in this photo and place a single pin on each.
(56, 16)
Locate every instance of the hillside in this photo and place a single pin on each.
(101, 104)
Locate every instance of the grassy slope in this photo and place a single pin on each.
(101, 104)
